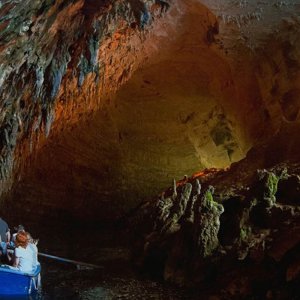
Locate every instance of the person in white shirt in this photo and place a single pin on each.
(32, 244)
(18, 229)
(23, 258)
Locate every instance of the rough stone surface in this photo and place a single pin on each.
(133, 93)
(58, 60)
(109, 150)
(223, 237)
(195, 101)
(207, 223)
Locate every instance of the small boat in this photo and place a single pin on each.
(16, 283)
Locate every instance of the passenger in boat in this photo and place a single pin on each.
(32, 244)
(18, 229)
(23, 256)
(4, 237)
(12, 245)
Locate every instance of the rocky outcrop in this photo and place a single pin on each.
(192, 236)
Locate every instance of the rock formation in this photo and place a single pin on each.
(103, 103)
(201, 89)
(235, 232)
(58, 60)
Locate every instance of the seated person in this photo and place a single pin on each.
(23, 257)
(18, 229)
(4, 237)
(11, 245)
(32, 244)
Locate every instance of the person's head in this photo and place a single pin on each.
(21, 239)
(19, 228)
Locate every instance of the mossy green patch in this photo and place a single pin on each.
(209, 197)
(272, 184)
(244, 233)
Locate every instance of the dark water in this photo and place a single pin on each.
(106, 246)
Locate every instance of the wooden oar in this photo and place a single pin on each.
(74, 262)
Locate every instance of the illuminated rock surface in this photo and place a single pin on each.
(195, 102)
(103, 103)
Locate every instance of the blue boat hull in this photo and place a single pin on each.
(16, 283)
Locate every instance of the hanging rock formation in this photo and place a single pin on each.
(115, 98)
(203, 85)
(58, 60)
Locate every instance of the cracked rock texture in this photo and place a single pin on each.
(58, 59)
(104, 103)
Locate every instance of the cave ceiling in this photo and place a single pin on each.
(114, 99)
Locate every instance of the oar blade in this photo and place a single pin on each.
(79, 264)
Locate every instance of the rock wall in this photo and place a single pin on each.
(260, 40)
(202, 87)
(172, 117)
(58, 60)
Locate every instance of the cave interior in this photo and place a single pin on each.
(171, 123)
